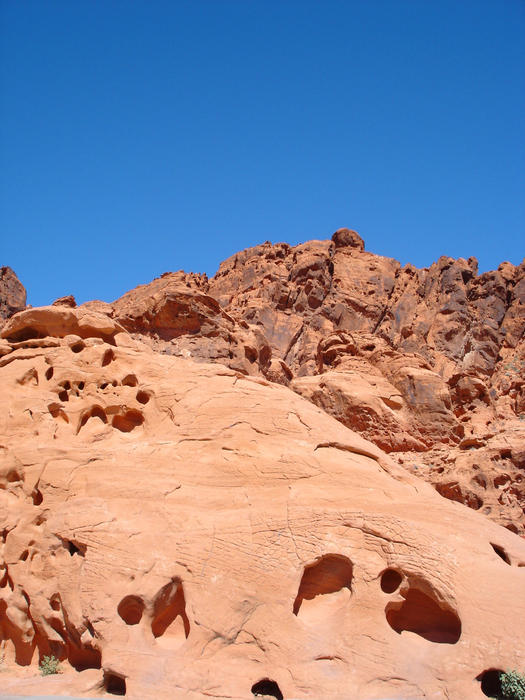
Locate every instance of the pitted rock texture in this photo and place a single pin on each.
(12, 294)
(173, 529)
(429, 364)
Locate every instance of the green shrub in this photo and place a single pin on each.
(513, 685)
(49, 666)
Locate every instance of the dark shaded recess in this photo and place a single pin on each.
(114, 684)
(422, 615)
(49, 373)
(502, 554)
(37, 497)
(142, 397)
(267, 687)
(328, 574)
(94, 412)
(390, 580)
(74, 547)
(490, 682)
(130, 380)
(78, 346)
(83, 657)
(250, 354)
(169, 604)
(128, 421)
(108, 357)
(130, 609)
(25, 334)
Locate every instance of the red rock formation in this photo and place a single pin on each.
(425, 363)
(172, 529)
(12, 294)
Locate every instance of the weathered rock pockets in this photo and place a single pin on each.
(185, 529)
(427, 364)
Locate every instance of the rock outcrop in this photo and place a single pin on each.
(176, 529)
(12, 294)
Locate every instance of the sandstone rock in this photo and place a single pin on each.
(344, 237)
(448, 340)
(172, 529)
(68, 300)
(59, 321)
(12, 293)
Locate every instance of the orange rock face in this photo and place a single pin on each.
(172, 528)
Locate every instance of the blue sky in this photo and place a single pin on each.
(138, 137)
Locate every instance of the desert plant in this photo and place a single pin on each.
(513, 685)
(49, 666)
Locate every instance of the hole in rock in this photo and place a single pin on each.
(94, 412)
(490, 683)
(420, 614)
(73, 548)
(130, 609)
(81, 385)
(114, 684)
(130, 380)
(13, 476)
(103, 385)
(128, 421)
(29, 377)
(169, 605)
(37, 497)
(82, 658)
(56, 410)
(390, 580)
(329, 574)
(267, 687)
(24, 555)
(502, 554)
(142, 397)
(55, 603)
(63, 395)
(49, 373)
(78, 346)
(108, 357)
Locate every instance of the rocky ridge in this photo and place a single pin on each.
(428, 364)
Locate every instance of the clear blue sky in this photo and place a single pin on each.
(143, 136)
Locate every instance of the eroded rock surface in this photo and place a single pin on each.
(174, 529)
(12, 294)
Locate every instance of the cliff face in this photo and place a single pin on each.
(429, 364)
(12, 294)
